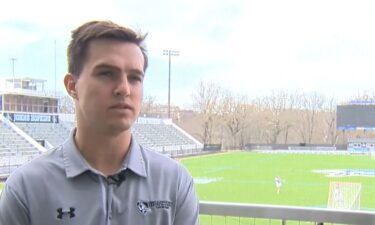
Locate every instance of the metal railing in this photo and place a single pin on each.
(281, 214)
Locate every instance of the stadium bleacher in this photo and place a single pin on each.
(155, 134)
(159, 135)
(165, 137)
(54, 133)
(14, 149)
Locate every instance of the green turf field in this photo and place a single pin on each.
(248, 177)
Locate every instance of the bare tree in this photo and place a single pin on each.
(258, 127)
(309, 104)
(275, 106)
(148, 105)
(205, 101)
(234, 112)
(365, 95)
(330, 133)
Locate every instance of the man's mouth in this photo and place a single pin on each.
(121, 106)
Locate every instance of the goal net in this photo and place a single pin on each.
(372, 153)
(344, 195)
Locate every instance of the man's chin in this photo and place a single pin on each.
(121, 126)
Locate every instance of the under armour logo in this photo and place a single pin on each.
(61, 212)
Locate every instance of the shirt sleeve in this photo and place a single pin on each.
(187, 210)
(12, 208)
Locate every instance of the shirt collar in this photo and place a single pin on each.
(75, 164)
(135, 160)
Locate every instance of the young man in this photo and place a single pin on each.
(100, 175)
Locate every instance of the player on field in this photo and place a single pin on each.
(278, 183)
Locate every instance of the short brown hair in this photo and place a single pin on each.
(83, 35)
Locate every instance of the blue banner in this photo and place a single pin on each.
(31, 118)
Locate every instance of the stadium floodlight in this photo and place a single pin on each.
(170, 53)
(13, 61)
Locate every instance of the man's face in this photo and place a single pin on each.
(109, 89)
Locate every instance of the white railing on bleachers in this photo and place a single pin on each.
(199, 145)
(163, 136)
(22, 133)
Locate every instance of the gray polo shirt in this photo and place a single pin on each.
(60, 187)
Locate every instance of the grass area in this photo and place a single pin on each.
(248, 177)
(1, 186)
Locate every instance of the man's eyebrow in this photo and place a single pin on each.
(105, 66)
(108, 66)
(138, 72)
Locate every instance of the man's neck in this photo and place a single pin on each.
(105, 153)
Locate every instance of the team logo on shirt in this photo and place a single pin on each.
(143, 207)
(146, 206)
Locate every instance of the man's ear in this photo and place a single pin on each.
(70, 85)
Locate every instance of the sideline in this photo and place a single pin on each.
(209, 154)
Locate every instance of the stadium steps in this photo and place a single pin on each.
(14, 149)
(54, 133)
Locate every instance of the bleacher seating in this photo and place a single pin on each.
(54, 133)
(152, 135)
(159, 136)
(14, 149)
(165, 138)
(156, 135)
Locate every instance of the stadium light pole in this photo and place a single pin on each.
(13, 60)
(54, 56)
(170, 53)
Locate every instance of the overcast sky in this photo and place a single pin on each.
(249, 47)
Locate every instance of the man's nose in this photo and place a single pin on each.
(123, 87)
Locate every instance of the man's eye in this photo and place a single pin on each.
(105, 73)
(135, 78)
